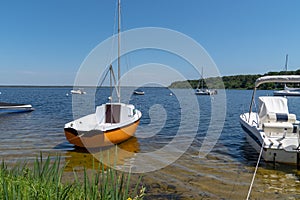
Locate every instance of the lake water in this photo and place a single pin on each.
(225, 173)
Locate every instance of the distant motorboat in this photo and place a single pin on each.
(14, 108)
(78, 91)
(206, 91)
(138, 92)
(273, 130)
(287, 92)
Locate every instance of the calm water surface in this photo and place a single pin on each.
(225, 173)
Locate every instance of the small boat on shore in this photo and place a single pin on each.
(112, 123)
(273, 128)
(14, 108)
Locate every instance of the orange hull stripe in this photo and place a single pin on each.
(107, 138)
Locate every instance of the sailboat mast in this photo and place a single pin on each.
(286, 61)
(119, 47)
(285, 66)
(202, 79)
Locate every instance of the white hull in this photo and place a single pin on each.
(275, 149)
(205, 92)
(287, 93)
(14, 108)
(139, 92)
(77, 92)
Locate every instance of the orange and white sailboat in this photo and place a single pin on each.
(112, 123)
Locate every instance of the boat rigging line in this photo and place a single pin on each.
(257, 163)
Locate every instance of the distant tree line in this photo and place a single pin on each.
(235, 82)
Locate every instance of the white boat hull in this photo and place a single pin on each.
(285, 151)
(77, 92)
(205, 92)
(286, 93)
(138, 93)
(14, 108)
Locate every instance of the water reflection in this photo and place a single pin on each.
(79, 159)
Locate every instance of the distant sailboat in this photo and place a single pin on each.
(287, 90)
(202, 90)
(112, 123)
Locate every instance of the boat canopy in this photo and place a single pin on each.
(277, 79)
(270, 104)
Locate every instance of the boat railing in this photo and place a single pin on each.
(257, 118)
(244, 116)
(255, 122)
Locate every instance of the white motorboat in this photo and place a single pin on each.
(112, 123)
(287, 92)
(78, 91)
(273, 128)
(14, 108)
(206, 91)
(138, 92)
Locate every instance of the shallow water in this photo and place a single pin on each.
(225, 173)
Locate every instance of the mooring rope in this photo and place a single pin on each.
(251, 185)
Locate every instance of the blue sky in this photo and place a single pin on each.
(45, 42)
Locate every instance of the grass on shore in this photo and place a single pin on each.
(44, 181)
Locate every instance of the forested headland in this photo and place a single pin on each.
(235, 82)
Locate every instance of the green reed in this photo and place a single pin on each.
(44, 181)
